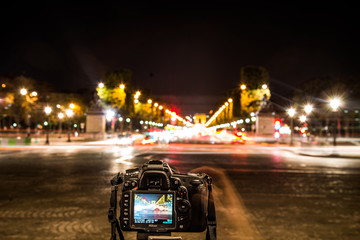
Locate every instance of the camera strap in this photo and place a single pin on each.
(112, 215)
(211, 218)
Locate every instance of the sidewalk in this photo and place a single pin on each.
(326, 151)
(320, 147)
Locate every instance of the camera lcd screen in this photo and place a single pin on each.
(153, 208)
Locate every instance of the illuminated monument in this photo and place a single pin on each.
(95, 117)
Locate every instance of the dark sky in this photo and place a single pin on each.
(182, 49)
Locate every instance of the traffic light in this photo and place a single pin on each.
(277, 124)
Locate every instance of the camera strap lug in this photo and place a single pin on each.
(211, 218)
(112, 214)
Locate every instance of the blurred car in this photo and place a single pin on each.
(239, 137)
(148, 140)
(124, 139)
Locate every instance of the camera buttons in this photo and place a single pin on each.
(184, 206)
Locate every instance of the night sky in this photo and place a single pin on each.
(182, 50)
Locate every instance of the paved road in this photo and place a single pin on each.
(260, 192)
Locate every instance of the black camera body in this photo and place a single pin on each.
(156, 198)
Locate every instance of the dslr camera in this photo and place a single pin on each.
(157, 199)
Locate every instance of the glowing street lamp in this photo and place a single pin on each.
(110, 115)
(335, 104)
(302, 118)
(264, 86)
(291, 112)
(60, 116)
(149, 101)
(47, 112)
(23, 91)
(243, 87)
(101, 85)
(69, 113)
(71, 106)
(33, 94)
(122, 86)
(308, 108)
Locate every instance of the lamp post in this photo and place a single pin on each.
(110, 117)
(308, 109)
(47, 112)
(60, 116)
(121, 120)
(335, 104)
(291, 113)
(242, 90)
(23, 92)
(69, 113)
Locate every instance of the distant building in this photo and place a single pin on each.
(200, 118)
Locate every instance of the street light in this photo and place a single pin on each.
(47, 112)
(302, 118)
(291, 112)
(335, 104)
(122, 86)
(308, 108)
(23, 91)
(243, 87)
(69, 113)
(60, 116)
(101, 85)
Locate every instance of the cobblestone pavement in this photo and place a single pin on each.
(64, 193)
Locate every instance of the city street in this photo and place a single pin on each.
(261, 191)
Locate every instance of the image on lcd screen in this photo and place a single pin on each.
(153, 208)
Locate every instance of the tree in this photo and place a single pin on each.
(20, 106)
(254, 77)
(117, 90)
(256, 80)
